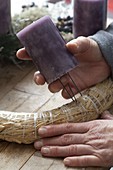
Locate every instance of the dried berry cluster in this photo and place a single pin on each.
(65, 24)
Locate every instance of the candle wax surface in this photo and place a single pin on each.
(89, 16)
(47, 48)
(5, 17)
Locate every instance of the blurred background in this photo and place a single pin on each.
(110, 8)
(16, 5)
(25, 12)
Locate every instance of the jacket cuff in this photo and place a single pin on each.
(105, 41)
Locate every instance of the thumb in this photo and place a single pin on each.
(79, 45)
(106, 115)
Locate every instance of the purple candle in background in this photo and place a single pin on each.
(5, 17)
(89, 17)
(47, 48)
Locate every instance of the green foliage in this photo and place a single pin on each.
(9, 44)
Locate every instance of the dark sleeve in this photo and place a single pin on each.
(104, 38)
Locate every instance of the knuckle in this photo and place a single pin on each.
(95, 131)
(69, 127)
(55, 151)
(73, 150)
(92, 136)
(84, 161)
(81, 162)
(106, 158)
(66, 139)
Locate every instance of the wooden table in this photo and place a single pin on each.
(18, 92)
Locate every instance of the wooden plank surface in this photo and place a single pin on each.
(15, 156)
(18, 92)
(10, 75)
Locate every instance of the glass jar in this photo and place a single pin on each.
(89, 17)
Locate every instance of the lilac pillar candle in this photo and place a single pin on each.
(89, 16)
(47, 48)
(5, 17)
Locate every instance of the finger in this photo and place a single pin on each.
(54, 130)
(68, 92)
(22, 54)
(66, 139)
(83, 161)
(106, 115)
(64, 151)
(78, 45)
(39, 78)
(56, 86)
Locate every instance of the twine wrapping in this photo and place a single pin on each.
(23, 127)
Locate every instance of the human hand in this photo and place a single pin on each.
(91, 70)
(80, 144)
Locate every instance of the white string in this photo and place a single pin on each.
(64, 110)
(43, 117)
(8, 116)
(100, 93)
(67, 111)
(40, 115)
(97, 101)
(84, 111)
(36, 115)
(3, 115)
(51, 116)
(24, 125)
(84, 97)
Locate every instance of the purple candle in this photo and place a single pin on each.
(47, 48)
(5, 17)
(89, 17)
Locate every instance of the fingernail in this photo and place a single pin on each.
(66, 161)
(38, 144)
(45, 150)
(42, 130)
